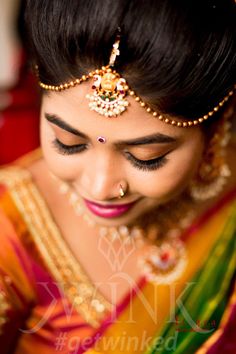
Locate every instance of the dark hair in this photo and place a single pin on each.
(178, 55)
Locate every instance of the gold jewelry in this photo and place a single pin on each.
(121, 191)
(108, 98)
(110, 90)
(108, 109)
(165, 257)
(213, 172)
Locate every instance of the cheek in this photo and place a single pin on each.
(173, 177)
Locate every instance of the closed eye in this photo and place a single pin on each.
(147, 165)
(144, 165)
(68, 149)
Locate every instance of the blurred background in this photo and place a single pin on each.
(19, 95)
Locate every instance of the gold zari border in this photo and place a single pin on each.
(56, 254)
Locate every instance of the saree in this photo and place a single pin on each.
(48, 303)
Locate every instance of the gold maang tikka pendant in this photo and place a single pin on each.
(110, 89)
(108, 98)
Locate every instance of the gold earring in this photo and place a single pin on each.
(213, 172)
(121, 191)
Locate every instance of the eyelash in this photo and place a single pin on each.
(144, 165)
(147, 165)
(67, 149)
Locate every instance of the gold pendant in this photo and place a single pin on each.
(165, 263)
(108, 98)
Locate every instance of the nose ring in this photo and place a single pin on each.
(121, 191)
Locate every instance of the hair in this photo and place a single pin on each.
(178, 55)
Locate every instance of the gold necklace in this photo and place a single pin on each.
(164, 258)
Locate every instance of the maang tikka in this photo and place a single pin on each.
(110, 89)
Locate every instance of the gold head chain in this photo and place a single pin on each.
(110, 90)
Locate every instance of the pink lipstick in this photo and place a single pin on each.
(108, 210)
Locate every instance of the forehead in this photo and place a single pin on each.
(71, 105)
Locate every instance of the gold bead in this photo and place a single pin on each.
(103, 68)
(216, 109)
(66, 86)
(179, 124)
(84, 78)
(166, 120)
(77, 81)
(109, 70)
(205, 116)
(126, 87)
(97, 71)
(137, 99)
(185, 124)
(210, 113)
(142, 104)
(195, 122)
(154, 114)
(190, 123)
(200, 120)
(148, 109)
(91, 74)
(131, 93)
(160, 117)
(72, 83)
(173, 122)
(78, 300)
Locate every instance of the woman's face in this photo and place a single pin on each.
(153, 161)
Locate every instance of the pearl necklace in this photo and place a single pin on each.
(164, 258)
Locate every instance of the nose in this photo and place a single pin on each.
(101, 179)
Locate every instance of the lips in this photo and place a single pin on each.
(108, 210)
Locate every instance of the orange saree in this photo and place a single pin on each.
(48, 304)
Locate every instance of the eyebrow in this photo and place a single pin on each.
(157, 138)
(54, 119)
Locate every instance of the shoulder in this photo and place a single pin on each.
(15, 181)
(18, 172)
(17, 284)
(15, 265)
(12, 181)
(15, 262)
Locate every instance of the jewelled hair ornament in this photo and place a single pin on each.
(109, 94)
(110, 91)
(108, 98)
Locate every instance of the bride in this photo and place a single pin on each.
(117, 235)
